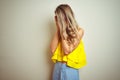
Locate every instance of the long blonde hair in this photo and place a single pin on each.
(67, 23)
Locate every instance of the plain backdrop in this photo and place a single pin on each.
(27, 28)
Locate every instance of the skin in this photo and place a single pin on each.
(55, 39)
(66, 48)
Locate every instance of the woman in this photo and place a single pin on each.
(67, 46)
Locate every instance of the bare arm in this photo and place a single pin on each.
(54, 42)
(55, 39)
(67, 49)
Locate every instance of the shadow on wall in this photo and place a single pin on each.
(51, 30)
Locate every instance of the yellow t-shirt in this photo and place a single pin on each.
(76, 59)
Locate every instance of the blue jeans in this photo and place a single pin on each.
(63, 72)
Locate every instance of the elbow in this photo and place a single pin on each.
(52, 49)
(66, 51)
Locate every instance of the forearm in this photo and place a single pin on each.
(54, 42)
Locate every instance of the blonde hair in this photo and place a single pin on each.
(67, 23)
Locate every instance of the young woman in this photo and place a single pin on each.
(67, 46)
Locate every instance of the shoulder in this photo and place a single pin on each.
(81, 30)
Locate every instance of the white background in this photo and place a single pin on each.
(27, 27)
